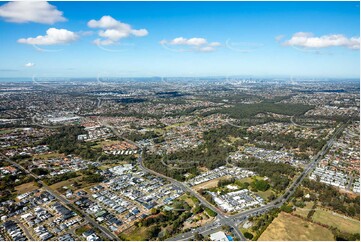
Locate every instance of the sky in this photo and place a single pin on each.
(252, 39)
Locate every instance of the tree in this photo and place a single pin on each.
(272, 197)
(210, 212)
(287, 208)
(198, 237)
(248, 235)
(226, 228)
(153, 231)
(260, 185)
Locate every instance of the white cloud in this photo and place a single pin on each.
(215, 44)
(193, 44)
(53, 37)
(308, 40)
(30, 64)
(30, 11)
(114, 30)
(192, 41)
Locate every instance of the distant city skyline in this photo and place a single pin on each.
(260, 39)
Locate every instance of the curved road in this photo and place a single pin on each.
(222, 219)
(235, 220)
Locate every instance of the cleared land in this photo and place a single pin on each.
(48, 156)
(66, 183)
(209, 184)
(135, 233)
(339, 221)
(26, 187)
(305, 210)
(106, 143)
(289, 227)
(264, 194)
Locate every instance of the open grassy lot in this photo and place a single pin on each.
(289, 227)
(233, 139)
(48, 156)
(110, 165)
(177, 125)
(6, 131)
(106, 143)
(305, 210)
(66, 183)
(158, 131)
(135, 234)
(209, 184)
(188, 199)
(26, 187)
(80, 230)
(251, 179)
(264, 194)
(343, 223)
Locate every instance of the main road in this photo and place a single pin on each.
(222, 219)
(220, 215)
(106, 233)
(235, 220)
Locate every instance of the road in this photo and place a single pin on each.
(303, 126)
(222, 219)
(235, 220)
(26, 231)
(104, 231)
(182, 186)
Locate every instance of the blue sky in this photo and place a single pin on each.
(311, 39)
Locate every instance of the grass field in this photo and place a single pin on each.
(79, 231)
(107, 166)
(177, 125)
(106, 143)
(209, 184)
(26, 187)
(48, 156)
(187, 199)
(304, 211)
(135, 234)
(66, 183)
(264, 194)
(251, 179)
(330, 218)
(289, 227)
(6, 131)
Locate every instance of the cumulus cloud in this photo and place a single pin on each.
(192, 44)
(30, 11)
(30, 64)
(113, 30)
(53, 37)
(308, 40)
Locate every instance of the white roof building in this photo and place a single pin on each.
(219, 236)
